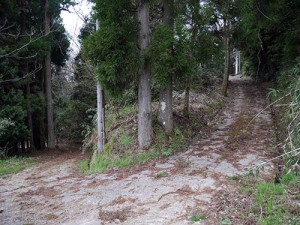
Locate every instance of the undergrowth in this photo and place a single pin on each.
(277, 203)
(274, 203)
(14, 165)
(121, 148)
(196, 218)
(287, 98)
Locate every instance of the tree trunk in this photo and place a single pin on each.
(100, 118)
(25, 70)
(29, 115)
(186, 108)
(48, 83)
(227, 58)
(38, 117)
(144, 93)
(165, 109)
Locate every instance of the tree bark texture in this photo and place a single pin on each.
(48, 83)
(29, 114)
(145, 129)
(38, 120)
(100, 118)
(165, 109)
(30, 143)
(186, 108)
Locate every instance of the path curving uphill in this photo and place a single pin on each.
(198, 182)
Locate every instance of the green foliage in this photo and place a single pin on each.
(167, 147)
(126, 160)
(270, 197)
(289, 89)
(226, 221)
(5, 124)
(268, 38)
(272, 93)
(74, 120)
(146, 156)
(110, 160)
(126, 140)
(120, 150)
(12, 118)
(291, 178)
(272, 201)
(113, 48)
(87, 29)
(197, 218)
(166, 151)
(84, 166)
(60, 44)
(74, 112)
(234, 178)
(23, 48)
(14, 165)
(164, 62)
(265, 190)
(100, 163)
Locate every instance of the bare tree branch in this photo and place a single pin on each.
(37, 69)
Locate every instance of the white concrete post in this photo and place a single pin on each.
(236, 63)
(100, 112)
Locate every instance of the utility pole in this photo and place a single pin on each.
(100, 112)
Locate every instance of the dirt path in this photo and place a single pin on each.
(198, 181)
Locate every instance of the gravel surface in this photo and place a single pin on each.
(53, 192)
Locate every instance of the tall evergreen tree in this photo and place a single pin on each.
(23, 49)
(48, 81)
(144, 96)
(113, 50)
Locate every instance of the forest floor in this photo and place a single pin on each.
(200, 182)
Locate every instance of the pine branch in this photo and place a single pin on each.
(37, 69)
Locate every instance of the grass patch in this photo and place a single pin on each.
(167, 151)
(234, 178)
(196, 218)
(84, 166)
(126, 140)
(126, 160)
(291, 178)
(14, 165)
(272, 204)
(146, 156)
(108, 160)
(270, 198)
(226, 221)
(122, 134)
(162, 174)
